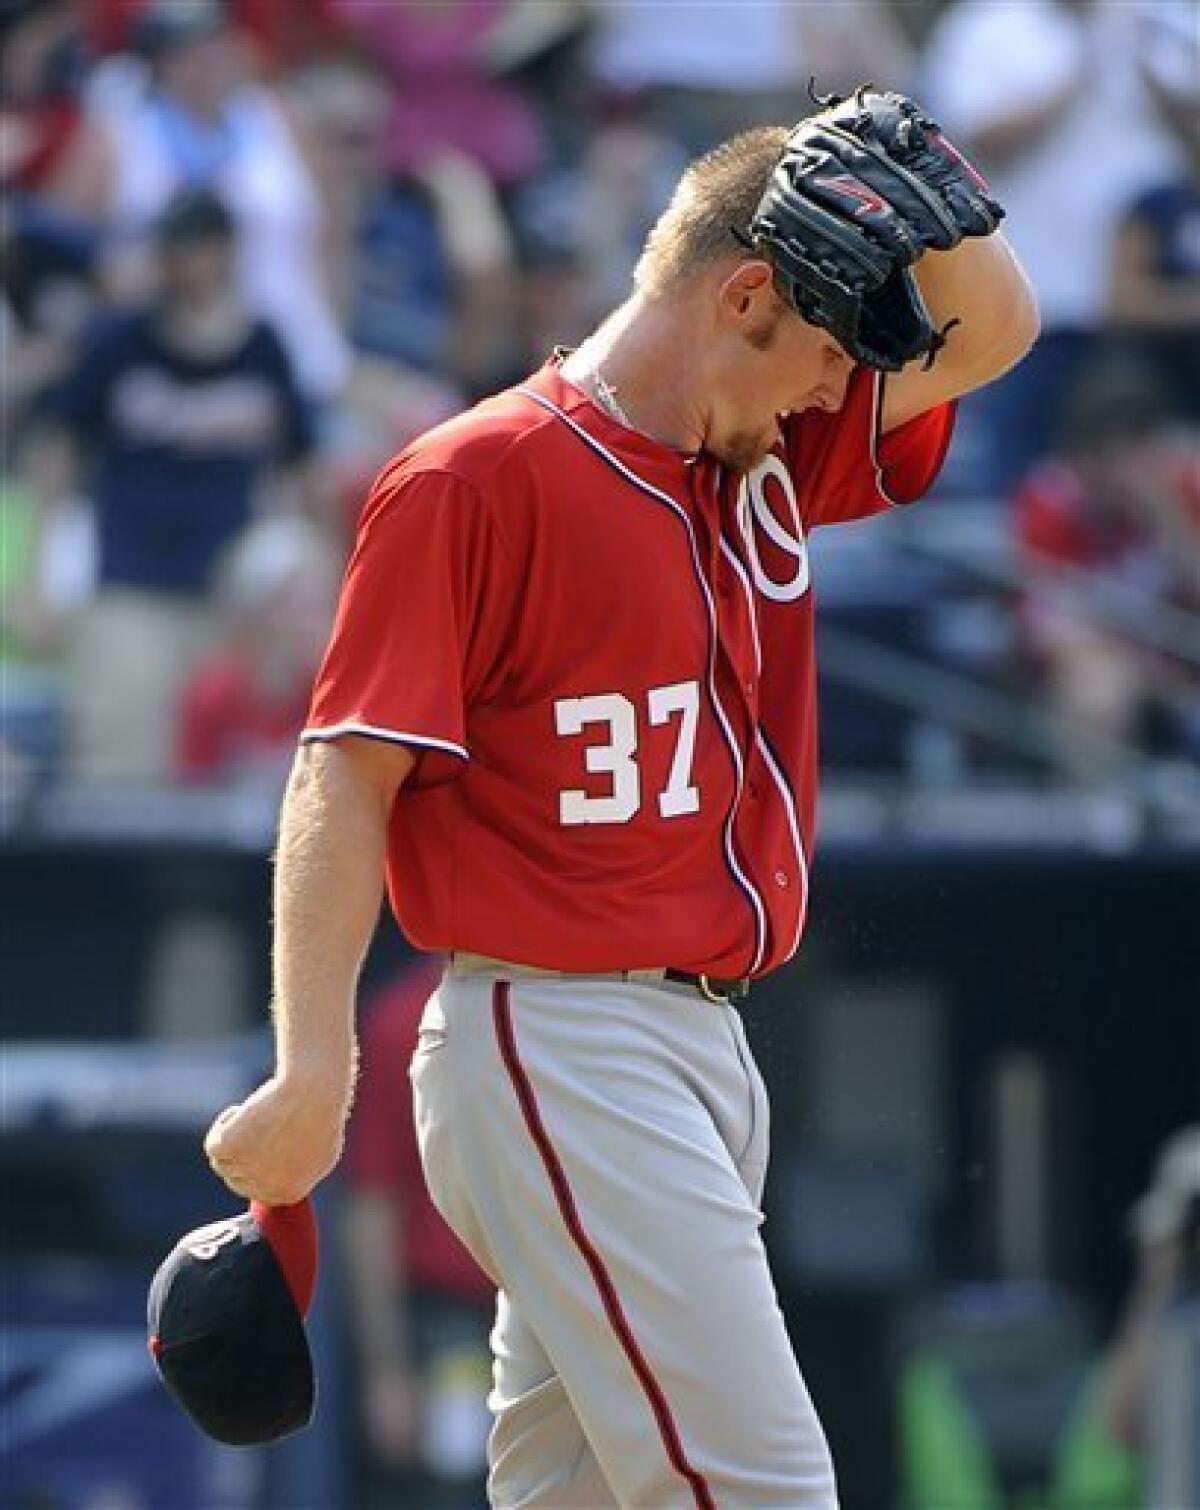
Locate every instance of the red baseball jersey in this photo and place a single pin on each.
(601, 651)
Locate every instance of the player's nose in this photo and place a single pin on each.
(830, 395)
(837, 365)
(832, 388)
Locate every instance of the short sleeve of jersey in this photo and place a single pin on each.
(845, 470)
(421, 621)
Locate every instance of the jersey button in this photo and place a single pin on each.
(751, 686)
(782, 880)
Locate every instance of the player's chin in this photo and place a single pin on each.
(743, 451)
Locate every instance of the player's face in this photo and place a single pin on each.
(776, 364)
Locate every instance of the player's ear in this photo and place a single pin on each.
(746, 290)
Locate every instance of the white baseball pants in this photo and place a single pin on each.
(600, 1145)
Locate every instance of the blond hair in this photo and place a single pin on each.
(717, 195)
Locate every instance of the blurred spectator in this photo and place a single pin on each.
(1165, 1225)
(1000, 1406)
(46, 150)
(628, 173)
(243, 707)
(384, 257)
(282, 35)
(1110, 530)
(714, 67)
(1154, 280)
(176, 414)
(1154, 291)
(1169, 62)
(46, 299)
(419, 266)
(1050, 97)
(194, 118)
(421, 1309)
(446, 98)
(53, 171)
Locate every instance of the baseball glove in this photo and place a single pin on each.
(861, 191)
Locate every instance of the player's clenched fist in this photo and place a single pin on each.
(280, 1142)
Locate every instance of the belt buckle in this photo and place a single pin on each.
(706, 990)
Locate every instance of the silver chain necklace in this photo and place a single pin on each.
(606, 396)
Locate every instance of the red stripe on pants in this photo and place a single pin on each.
(507, 1041)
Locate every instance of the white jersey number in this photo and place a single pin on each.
(682, 698)
(571, 716)
(616, 756)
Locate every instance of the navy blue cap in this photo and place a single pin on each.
(226, 1315)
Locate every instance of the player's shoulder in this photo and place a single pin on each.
(489, 447)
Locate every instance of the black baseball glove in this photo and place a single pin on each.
(861, 191)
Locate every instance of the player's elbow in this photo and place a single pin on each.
(1016, 327)
(1026, 318)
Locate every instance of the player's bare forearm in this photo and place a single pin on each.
(276, 1145)
(981, 286)
(328, 889)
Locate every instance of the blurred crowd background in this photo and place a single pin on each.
(248, 250)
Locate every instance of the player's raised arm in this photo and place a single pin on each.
(979, 294)
(287, 1136)
(881, 232)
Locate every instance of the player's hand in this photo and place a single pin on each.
(392, 1408)
(281, 1141)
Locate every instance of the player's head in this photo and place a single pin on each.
(761, 359)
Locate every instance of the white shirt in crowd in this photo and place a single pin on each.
(270, 192)
(1065, 192)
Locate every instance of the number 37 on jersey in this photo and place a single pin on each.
(609, 724)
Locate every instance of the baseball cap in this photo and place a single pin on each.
(225, 1316)
(167, 25)
(194, 215)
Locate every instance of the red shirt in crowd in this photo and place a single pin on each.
(229, 725)
(602, 650)
(1060, 524)
(283, 34)
(381, 1142)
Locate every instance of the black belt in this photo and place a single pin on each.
(710, 987)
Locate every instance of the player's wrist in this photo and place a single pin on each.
(315, 1081)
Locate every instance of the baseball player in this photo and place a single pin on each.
(568, 707)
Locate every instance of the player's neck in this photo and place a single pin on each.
(642, 356)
